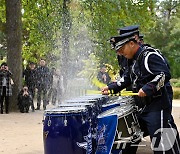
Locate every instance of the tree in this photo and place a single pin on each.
(66, 27)
(164, 35)
(2, 31)
(14, 45)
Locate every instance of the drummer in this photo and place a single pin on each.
(125, 63)
(148, 75)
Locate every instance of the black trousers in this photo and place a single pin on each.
(6, 98)
(32, 90)
(42, 91)
(160, 126)
(162, 130)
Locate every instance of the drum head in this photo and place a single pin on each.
(121, 100)
(108, 104)
(98, 96)
(80, 101)
(66, 110)
(119, 111)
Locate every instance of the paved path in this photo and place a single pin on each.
(22, 133)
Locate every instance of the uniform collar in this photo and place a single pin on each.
(137, 53)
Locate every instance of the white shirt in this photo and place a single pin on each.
(4, 84)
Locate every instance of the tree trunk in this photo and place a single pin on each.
(14, 46)
(66, 27)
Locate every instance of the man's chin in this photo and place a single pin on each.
(126, 56)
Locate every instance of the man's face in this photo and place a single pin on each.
(103, 69)
(42, 63)
(25, 88)
(4, 68)
(32, 66)
(127, 50)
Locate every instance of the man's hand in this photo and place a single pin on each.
(25, 93)
(141, 93)
(104, 77)
(6, 68)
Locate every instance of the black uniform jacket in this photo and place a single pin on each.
(150, 72)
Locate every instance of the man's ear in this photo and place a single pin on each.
(131, 43)
(136, 38)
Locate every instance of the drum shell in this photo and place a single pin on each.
(127, 127)
(61, 138)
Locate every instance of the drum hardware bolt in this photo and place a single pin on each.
(129, 130)
(90, 120)
(83, 121)
(49, 122)
(65, 122)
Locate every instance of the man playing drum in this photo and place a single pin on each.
(148, 74)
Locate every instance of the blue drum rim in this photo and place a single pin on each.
(75, 104)
(65, 114)
(81, 101)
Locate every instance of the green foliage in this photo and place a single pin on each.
(175, 83)
(2, 29)
(176, 94)
(40, 22)
(176, 88)
(90, 69)
(105, 17)
(93, 23)
(165, 34)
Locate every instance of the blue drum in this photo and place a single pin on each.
(101, 99)
(66, 130)
(88, 105)
(94, 109)
(91, 105)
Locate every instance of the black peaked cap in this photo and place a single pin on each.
(128, 29)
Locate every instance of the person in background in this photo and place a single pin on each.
(52, 71)
(103, 76)
(141, 39)
(24, 100)
(5, 87)
(42, 83)
(30, 80)
(56, 87)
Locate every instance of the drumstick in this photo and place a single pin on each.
(124, 93)
(129, 94)
(93, 92)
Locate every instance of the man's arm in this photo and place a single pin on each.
(156, 66)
